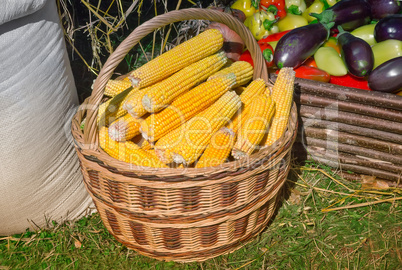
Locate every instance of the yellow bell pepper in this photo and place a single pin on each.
(295, 6)
(262, 24)
(291, 21)
(316, 7)
(249, 7)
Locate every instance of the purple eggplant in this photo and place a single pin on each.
(382, 8)
(389, 27)
(350, 14)
(387, 76)
(300, 43)
(356, 53)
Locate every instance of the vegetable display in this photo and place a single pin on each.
(389, 27)
(299, 44)
(390, 72)
(207, 111)
(356, 53)
(343, 40)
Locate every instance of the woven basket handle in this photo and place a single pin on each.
(260, 69)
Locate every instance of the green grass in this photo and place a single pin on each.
(301, 236)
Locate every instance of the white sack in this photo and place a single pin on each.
(14, 9)
(40, 178)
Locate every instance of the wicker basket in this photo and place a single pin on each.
(182, 214)
(350, 129)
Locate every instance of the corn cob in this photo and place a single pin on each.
(242, 69)
(127, 151)
(255, 88)
(146, 145)
(112, 109)
(218, 149)
(282, 94)
(199, 130)
(162, 94)
(185, 106)
(165, 144)
(115, 87)
(124, 128)
(188, 52)
(254, 125)
(139, 103)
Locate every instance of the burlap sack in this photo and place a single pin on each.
(40, 177)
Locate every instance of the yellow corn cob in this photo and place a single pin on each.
(242, 69)
(282, 94)
(112, 109)
(199, 129)
(127, 151)
(165, 91)
(188, 52)
(254, 125)
(185, 106)
(146, 145)
(115, 87)
(164, 145)
(124, 128)
(218, 149)
(161, 94)
(133, 104)
(255, 88)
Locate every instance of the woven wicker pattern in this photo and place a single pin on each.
(187, 214)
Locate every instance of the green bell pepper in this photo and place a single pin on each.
(386, 50)
(365, 32)
(328, 59)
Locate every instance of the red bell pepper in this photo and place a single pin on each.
(311, 73)
(350, 81)
(277, 7)
(267, 52)
(273, 37)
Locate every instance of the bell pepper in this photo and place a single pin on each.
(273, 37)
(332, 42)
(296, 7)
(316, 7)
(291, 21)
(311, 73)
(328, 59)
(262, 24)
(249, 7)
(350, 81)
(386, 50)
(330, 2)
(267, 53)
(277, 7)
(399, 93)
(365, 32)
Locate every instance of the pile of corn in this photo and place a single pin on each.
(191, 107)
